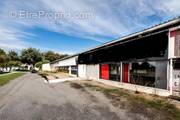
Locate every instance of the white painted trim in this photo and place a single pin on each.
(171, 76)
(168, 74)
(69, 70)
(171, 46)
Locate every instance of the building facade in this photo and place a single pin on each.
(147, 61)
(149, 58)
(67, 65)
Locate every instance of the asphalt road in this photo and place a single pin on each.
(29, 98)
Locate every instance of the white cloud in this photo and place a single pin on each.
(171, 7)
(13, 39)
(109, 18)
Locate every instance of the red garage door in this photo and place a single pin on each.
(105, 71)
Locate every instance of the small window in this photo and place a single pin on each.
(114, 72)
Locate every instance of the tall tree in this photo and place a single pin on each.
(13, 55)
(31, 56)
(4, 59)
(2, 56)
(51, 56)
(14, 60)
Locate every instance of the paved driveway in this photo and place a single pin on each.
(29, 98)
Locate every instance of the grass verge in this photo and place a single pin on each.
(4, 79)
(157, 108)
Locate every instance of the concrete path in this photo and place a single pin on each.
(29, 98)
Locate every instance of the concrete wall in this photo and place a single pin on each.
(46, 67)
(171, 46)
(139, 88)
(82, 71)
(54, 66)
(92, 71)
(88, 71)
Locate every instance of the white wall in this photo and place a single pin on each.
(171, 46)
(82, 71)
(46, 67)
(92, 71)
(88, 71)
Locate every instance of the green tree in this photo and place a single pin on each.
(31, 56)
(2, 56)
(13, 59)
(9, 60)
(3, 59)
(13, 55)
(52, 56)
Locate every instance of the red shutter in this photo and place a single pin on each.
(105, 71)
(176, 42)
(125, 72)
(173, 33)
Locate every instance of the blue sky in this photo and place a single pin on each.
(71, 26)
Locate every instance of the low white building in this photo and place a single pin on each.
(67, 64)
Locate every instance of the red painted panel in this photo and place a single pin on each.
(105, 71)
(173, 33)
(126, 72)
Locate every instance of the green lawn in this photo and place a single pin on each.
(4, 79)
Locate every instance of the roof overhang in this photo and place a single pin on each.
(150, 31)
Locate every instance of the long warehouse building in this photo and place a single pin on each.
(146, 61)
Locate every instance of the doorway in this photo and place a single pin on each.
(105, 71)
(125, 73)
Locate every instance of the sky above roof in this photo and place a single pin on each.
(71, 26)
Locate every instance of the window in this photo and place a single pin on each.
(64, 69)
(143, 73)
(74, 70)
(115, 72)
(151, 74)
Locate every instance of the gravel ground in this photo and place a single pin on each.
(29, 98)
